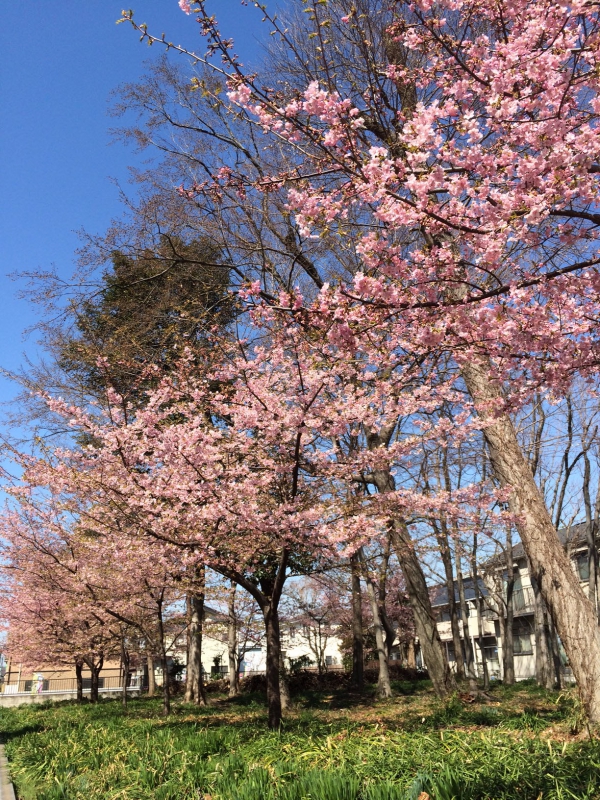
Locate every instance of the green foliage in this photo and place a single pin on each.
(300, 663)
(150, 310)
(224, 751)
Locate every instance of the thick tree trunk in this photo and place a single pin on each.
(358, 656)
(79, 680)
(151, 678)
(508, 645)
(194, 684)
(384, 687)
(232, 644)
(272, 666)
(95, 669)
(425, 623)
(572, 613)
(411, 656)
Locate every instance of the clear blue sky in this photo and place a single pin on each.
(59, 61)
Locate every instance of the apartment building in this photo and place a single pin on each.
(575, 541)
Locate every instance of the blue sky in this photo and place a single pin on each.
(59, 61)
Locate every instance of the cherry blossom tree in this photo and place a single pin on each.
(474, 187)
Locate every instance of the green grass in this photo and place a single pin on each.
(334, 746)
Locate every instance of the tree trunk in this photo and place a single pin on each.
(411, 657)
(484, 664)
(445, 553)
(79, 679)
(194, 684)
(151, 678)
(384, 687)
(272, 666)
(553, 648)
(543, 657)
(469, 654)
(590, 534)
(166, 693)
(508, 642)
(358, 656)
(284, 687)
(125, 671)
(572, 613)
(479, 605)
(94, 686)
(232, 644)
(425, 624)
(416, 587)
(95, 669)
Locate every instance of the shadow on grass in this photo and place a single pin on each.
(16, 733)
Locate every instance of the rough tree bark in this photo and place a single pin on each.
(411, 655)
(95, 668)
(194, 684)
(151, 678)
(271, 618)
(384, 687)
(572, 613)
(358, 655)
(425, 623)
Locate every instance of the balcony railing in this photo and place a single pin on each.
(523, 600)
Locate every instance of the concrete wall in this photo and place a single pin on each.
(24, 699)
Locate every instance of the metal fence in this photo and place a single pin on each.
(108, 683)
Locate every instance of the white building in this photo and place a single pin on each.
(574, 540)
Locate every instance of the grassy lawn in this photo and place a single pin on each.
(335, 746)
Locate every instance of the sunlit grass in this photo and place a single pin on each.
(334, 746)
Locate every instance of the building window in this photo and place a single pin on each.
(292, 633)
(583, 567)
(522, 644)
(490, 645)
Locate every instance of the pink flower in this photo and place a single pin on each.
(184, 5)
